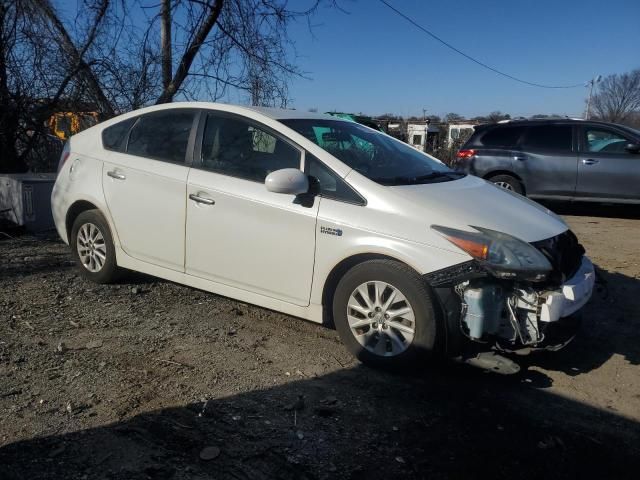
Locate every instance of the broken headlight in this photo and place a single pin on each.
(503, 255)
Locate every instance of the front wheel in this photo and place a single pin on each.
(383, 312)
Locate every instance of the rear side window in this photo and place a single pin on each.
(113, 137)
(502, 137)
(548, 137)
(331, 185)
(162, 135)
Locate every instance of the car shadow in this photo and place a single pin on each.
(355, 423)
(592, 209)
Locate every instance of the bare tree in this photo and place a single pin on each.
(453, 117)
(497, 116)
(618, 97)
(118, 55)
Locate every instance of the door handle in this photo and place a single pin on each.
(590, 161)
(520, 158)
(197, 198)
(116, 175)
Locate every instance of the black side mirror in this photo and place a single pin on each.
(632, 147)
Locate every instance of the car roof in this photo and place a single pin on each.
(547, 121)
(288, 113)
(274, 113)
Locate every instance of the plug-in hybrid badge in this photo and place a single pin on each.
(331, 231)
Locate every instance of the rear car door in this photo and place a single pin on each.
(548, 161)
(144, 181)
(238, 233)
(606, 169)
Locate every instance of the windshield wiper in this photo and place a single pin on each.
(414, 180)
(434, 175)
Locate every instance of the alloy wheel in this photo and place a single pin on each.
(505, 185)
(91, 247)
(381, 318)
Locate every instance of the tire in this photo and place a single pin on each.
(380, 342)
(509, 182)
(91, 231)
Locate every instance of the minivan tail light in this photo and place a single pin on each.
(466, 153)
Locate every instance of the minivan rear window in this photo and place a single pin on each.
(502, 137)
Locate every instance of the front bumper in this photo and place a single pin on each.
(572, 296)
(561, 316)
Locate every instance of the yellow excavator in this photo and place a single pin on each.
(65, 124)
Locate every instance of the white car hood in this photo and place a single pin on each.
(472, 201)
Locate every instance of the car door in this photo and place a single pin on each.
(548, 160)
(606, 169)
(238, 233)
(144, 182)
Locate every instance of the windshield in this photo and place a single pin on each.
(376, 156)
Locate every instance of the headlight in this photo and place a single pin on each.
(503, 255)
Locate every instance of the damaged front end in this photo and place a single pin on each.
(514, 296)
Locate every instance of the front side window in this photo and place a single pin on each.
(604, 141)
(162, 135)
(548, 137)
(375, 155)
(330, 184)
(238, 148)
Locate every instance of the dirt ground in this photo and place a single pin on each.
(148, 379)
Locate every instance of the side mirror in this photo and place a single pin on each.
(287, 180)
(632, 147)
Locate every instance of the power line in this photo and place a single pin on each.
(448, 45)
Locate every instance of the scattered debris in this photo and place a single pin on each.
(57, 451)
(297, 405)
(209, 453)
(93, 344)
(171, 362)
(62, 347)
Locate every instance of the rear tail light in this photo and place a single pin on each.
(466, 153)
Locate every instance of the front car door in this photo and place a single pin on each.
(606, 169)
(144, 181)
(548, 160)
(238, 233)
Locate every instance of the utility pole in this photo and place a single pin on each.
(591, 83)
(426, 129)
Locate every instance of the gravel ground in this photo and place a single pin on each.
(148, 379)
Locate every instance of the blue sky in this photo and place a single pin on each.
(373, 61)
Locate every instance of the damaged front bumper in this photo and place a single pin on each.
(510, 316)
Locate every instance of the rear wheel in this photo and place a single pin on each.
(92, 247)
(508, 182)
(383, 312)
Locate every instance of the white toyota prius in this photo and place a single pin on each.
(324, 219)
